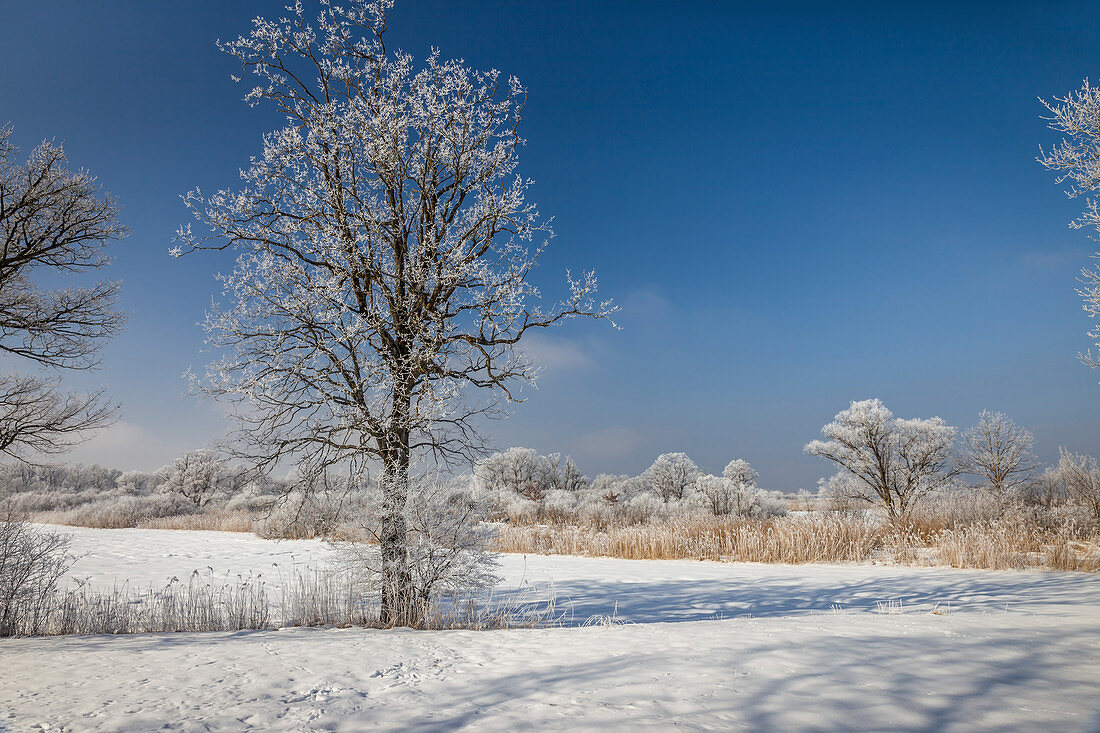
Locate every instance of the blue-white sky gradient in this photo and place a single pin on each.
(796, 207)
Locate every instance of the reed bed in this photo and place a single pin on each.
(785, 540)
(999, 544)
(213, 521)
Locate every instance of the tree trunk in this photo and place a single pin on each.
(399, 607)
(399, 604)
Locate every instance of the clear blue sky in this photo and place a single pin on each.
(796, 208)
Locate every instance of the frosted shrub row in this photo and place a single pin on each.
(527, 487)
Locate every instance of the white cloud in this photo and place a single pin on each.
(551, 354)
(127, 446)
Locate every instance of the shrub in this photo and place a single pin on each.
(32, 564)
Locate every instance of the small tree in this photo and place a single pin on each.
(386, 247)
(519, 470)
(716, 493)
(200, 476)
(743, 478)
(895, 462)
(1081, 475)
(998, 451)
(1077, 159)
(671, 476)
(52, 220)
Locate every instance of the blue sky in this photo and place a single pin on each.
(796, 207)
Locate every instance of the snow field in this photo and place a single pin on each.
(690, 645)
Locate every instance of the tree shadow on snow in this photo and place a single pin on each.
(739, 595)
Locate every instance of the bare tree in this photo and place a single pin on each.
(52, 219)
(998, 451)
(385, 251)
(895, 462)
(1081, 475)
(1077, 159)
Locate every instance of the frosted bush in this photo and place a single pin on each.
(559, 504)
(32, 564)
(515, 507)
(301, 514)
(120, 511)
(645, 506)
(768, 504)
(448, 540)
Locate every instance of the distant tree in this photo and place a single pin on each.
(998, 451)
(136, 483)
(1047, 489)
(201, 476)
(566, 475)
(743, 478)
(610, 487)
(671, 476)
(1077, 159)
(386, 250)
(519, 470)
(52, 221)
(895, 462)
(523, 471)
(717, 494)
(1081, 475)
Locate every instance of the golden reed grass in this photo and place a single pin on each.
(815, 538)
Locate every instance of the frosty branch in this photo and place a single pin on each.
(51, 218)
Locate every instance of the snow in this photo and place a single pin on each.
(697, 645)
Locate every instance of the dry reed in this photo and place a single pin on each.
(999, 544)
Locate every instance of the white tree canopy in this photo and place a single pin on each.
(896, 462)
(671, 476)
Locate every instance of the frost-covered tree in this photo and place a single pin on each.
(998, 451)
(1081, 477)
(52, 221)
(386, 246)
(523, 471)
(742, 478)
(671, 476)
(1076, 159)
(612, 488)
(517, 470)
(565, 474)
(137, 483)
(896, 462)
(717, 493)
(201, 476)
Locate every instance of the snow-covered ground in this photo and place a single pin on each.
(701, 646)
